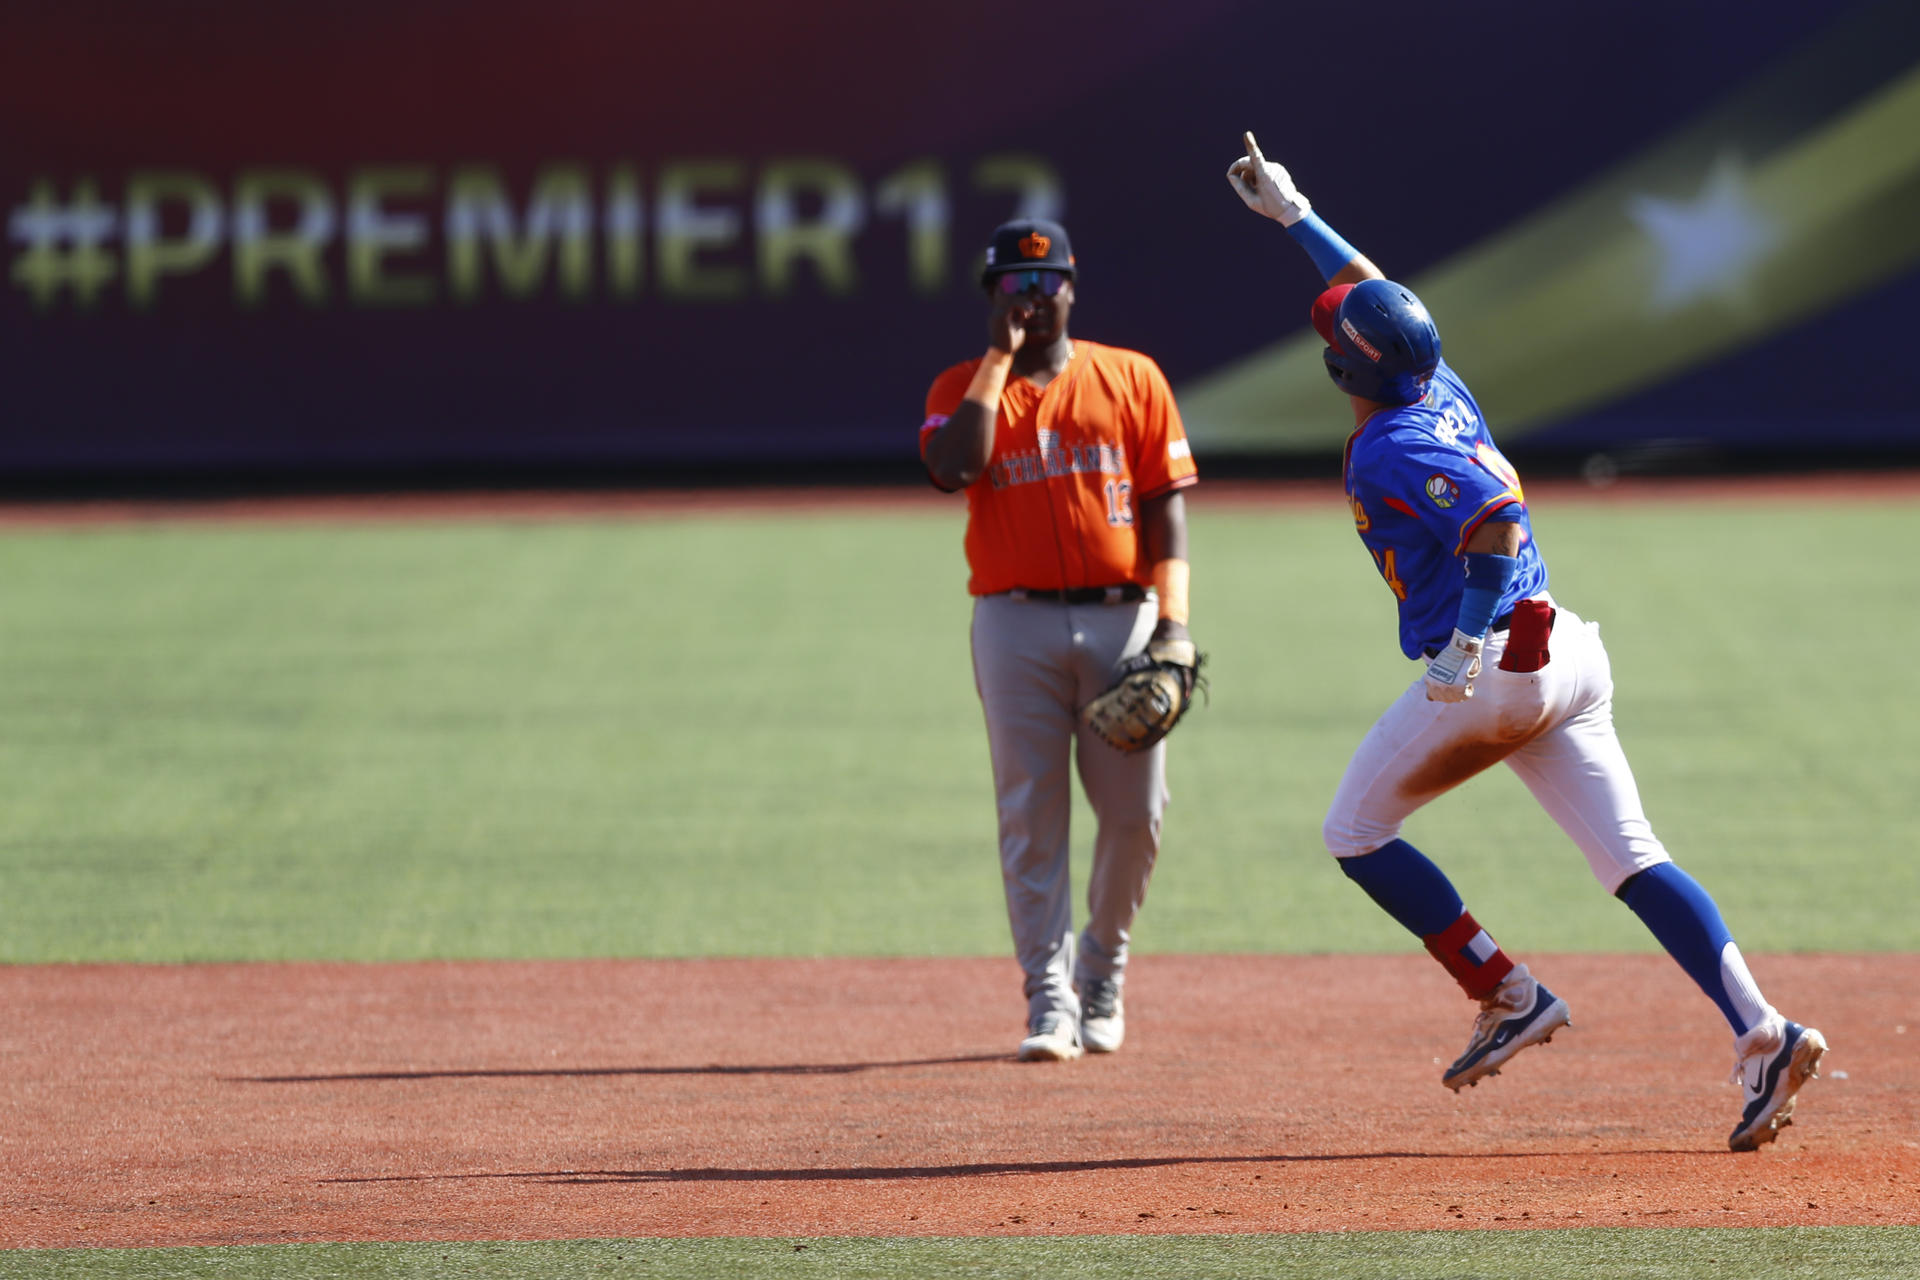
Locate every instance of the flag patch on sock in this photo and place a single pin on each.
(1471, 955)
(1480, 948)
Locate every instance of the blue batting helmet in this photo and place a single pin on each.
(1383, 345)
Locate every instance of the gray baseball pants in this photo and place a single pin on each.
(1036, 664)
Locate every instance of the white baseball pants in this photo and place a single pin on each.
(1553, 727)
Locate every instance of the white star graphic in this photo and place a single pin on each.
(1710, 245)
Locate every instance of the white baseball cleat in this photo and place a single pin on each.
(1103, 1015)
(1774, 1060)
(1520, 1012)
(1053, 1037)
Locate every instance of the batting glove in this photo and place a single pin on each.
(1450, 674)
(1266, 187)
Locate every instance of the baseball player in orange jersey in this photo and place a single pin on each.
(1073, 458)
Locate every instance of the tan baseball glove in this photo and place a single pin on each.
(1152, 691)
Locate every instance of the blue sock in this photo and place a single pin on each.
(1683, 917)
(1408, 887)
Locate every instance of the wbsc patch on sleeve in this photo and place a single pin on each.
(1443, 491)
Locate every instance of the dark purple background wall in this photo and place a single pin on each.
(1418, 128)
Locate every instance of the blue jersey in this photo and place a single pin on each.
(1420, 479)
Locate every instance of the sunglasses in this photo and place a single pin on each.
(1048, 282)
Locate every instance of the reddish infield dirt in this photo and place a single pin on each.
(230, 1104)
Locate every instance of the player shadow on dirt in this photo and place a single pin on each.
(710, 1069)
(863, 1173)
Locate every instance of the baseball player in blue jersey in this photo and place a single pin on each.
(1511, 675)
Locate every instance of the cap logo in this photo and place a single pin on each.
(1035, 245)
(1366, 348)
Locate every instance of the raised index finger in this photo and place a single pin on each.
(1253, 148)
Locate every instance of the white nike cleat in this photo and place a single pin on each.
(1520, 1012)
(1053, 1037)
(1103, 1015)
(1774, 1060)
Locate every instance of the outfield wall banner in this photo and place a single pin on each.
(496, 232)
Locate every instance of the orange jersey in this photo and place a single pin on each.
(1071, 463)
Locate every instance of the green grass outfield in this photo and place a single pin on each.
(1781, 1253)
(758, 736)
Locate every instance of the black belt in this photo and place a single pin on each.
(1125, 593)
(1500, 623)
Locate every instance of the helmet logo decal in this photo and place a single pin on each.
(1035, 245)
(1367, 349)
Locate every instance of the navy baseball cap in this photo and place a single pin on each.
(1027, 243)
